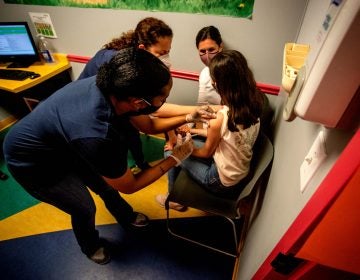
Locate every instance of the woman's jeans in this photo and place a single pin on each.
(71, 195)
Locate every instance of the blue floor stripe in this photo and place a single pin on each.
(146, 254)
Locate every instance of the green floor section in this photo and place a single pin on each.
(153, 149)
(15, 199)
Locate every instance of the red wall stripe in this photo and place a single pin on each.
(192, 76)
(78, 58)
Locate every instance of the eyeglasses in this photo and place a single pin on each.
(147, 102)
(150, 104)
(208, 51)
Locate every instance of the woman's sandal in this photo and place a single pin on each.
(161, 198)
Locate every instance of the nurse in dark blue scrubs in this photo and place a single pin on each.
(75, 140)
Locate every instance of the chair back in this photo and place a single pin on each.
(246, 205)
(263, 153)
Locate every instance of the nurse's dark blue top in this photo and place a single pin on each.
(75, 129)
(93, 65)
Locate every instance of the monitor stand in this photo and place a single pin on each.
(18, 64)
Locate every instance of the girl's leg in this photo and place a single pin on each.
(207, 176)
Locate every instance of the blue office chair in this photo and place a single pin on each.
(242, 209)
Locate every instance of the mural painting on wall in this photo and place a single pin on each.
(234, 8)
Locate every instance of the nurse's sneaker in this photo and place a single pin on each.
(101, 256)
(141, 220)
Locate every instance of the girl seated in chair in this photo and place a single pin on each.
(222, 162)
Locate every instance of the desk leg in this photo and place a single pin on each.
(31, 103)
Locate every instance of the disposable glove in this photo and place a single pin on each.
(182, 149)
(201, 114)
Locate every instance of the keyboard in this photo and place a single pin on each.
(18, 75)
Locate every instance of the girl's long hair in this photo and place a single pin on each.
(236, 85)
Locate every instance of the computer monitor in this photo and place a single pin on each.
(17, 45)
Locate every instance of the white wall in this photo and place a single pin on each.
(283, 200)
(262, 39)
(82, 31)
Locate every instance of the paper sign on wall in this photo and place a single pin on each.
(43, 25)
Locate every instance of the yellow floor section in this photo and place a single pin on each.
(43, 218)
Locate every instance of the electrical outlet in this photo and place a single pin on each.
(312, 161)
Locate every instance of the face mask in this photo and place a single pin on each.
(206, 58)
(148, 110)
(165, 59)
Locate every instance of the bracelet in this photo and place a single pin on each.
(176, 159)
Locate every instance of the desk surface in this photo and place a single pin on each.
(46, 71)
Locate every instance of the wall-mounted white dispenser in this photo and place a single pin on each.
(329, 84)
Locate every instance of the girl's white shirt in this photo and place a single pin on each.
(234, 152)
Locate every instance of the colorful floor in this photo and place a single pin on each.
(36, 240)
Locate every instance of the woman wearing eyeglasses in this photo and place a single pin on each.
(209, 43)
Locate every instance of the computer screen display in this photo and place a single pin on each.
(17, 45)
